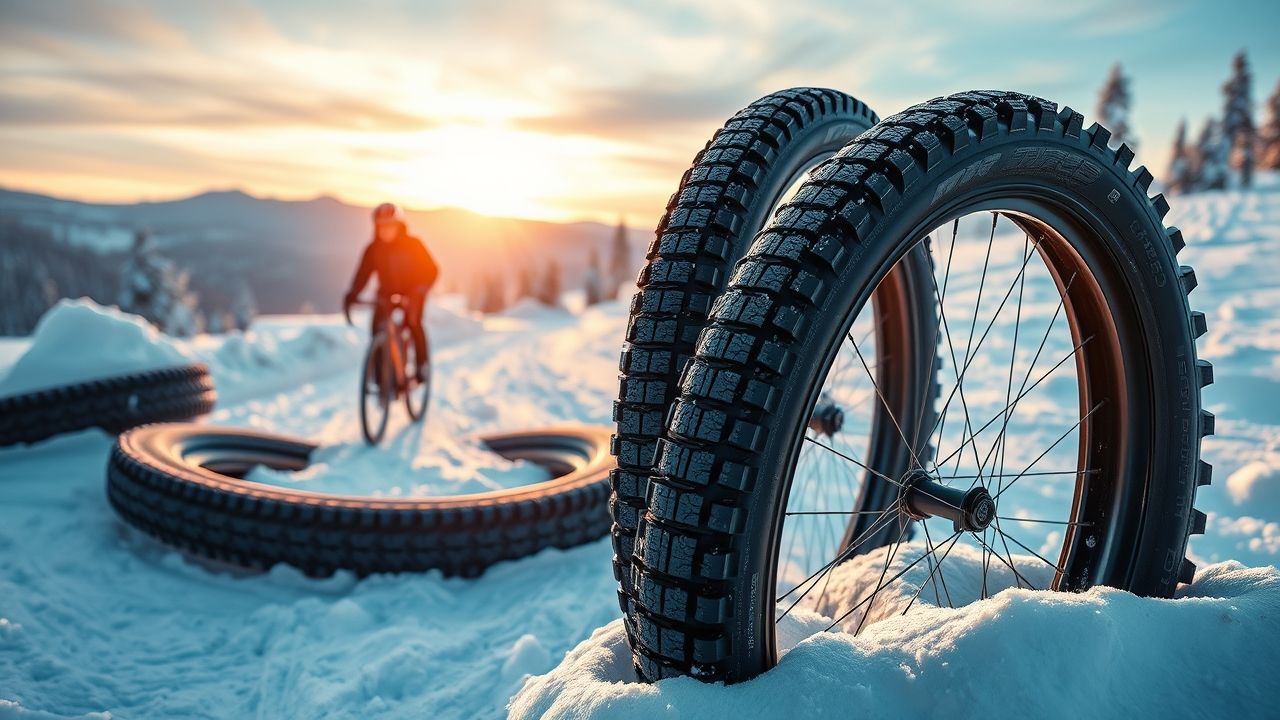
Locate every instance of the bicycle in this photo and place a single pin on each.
(384, 377)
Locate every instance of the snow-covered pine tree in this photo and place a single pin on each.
(621, 273)
(1237, 118)
(592, 289)
(1114, 101)
(1269, 134)
(549, 291)
(243, 307)
(1213, 164)
(1181, 163)
(184, 318)
(149, 284)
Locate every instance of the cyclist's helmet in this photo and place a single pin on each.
(388, 213)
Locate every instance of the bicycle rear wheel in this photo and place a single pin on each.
(417, 392)
(376, 390)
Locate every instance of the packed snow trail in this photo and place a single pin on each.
(95, 617)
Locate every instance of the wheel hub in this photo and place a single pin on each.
(923, 496)
(827, 417)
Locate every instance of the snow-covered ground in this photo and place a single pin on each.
(94, 617)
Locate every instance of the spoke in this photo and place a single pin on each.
(1062, 298)
(986, 559)
(910, 446)
(889, 512)
(888, 560)
(1021, 395)
(845, 554)
(1014, 518)
(982, 281)
(1008, 554)
(1014, 540)
(941, 576)
(1046, 472)
(868, 468)
(928, 545)
(904, 571)
(1055, 444)
(880, 474)
(968, 359)
(1002, 437)
(833, 512)
(933, 567)
(1016, 574)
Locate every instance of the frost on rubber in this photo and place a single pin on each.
(720, 204)
(114, 404)
(180, 484)
(691, 593)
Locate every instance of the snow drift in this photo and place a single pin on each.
(78, 340)
(1211, 652)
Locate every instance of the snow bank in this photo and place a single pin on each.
(1104, 653)
(79, 340)
(271, 359)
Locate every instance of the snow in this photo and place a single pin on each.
(1101, 654)
(79, 340)
(97, 618)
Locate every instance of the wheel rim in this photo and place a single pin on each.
(1078, 345)
(375, 402)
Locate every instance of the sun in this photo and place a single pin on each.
(492, 170)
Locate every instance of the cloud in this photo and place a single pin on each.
(163, 99)
(655, 107)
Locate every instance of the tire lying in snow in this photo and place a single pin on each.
(114, 404)
(181, 483)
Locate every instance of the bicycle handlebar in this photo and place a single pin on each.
(394, 299)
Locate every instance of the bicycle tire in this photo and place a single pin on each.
(181, 484)
(701, 607)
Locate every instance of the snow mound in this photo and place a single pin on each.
(1022, 653)
(405, 466)
(79, 340)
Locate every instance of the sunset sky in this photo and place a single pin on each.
(557, 110)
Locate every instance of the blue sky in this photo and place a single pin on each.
(558, 109)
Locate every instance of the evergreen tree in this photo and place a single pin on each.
(1181, 165)
(1212, 157)
(621, 273)
(1114, 101)
(150, 286)
(184, 318)
(525, 282)
(243, 307)
(1269, 134)
(549, 292)
(1237, 118)
(592, 289)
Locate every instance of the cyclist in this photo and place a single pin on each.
(404, 267)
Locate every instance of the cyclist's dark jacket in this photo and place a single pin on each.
(403, 266)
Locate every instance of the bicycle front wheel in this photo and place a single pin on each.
(377, 382)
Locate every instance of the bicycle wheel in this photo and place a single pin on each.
(377, 383)
(730, 191)
(417, 392)
(1073, 408)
